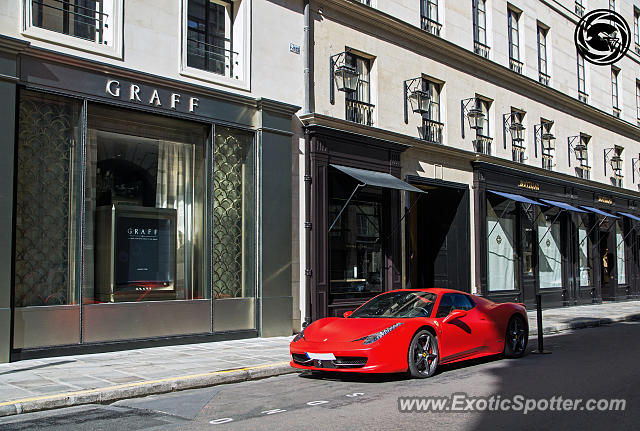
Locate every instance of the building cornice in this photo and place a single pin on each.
(471, 63)
(11, 45)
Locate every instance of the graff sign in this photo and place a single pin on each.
(149, 96)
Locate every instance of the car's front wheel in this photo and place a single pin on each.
(423, 354)
(516, 338)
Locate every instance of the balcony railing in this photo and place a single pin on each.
(430, 25)
(359, 112)
(481, 49)
(547, 162)
(432, 131)
(212, 57)
(515, 65)
(579, 9)
(84, 22)
(616, 112)
(583, 171)
(617, 180)
(544, 78)
(583, 97)
(365, 2)
(482, 144)
(518, 154)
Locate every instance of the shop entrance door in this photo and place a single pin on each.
(607, 263)
(439, 238)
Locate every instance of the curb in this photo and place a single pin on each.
(580, 323)
(142, 389)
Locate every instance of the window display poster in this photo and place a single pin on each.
(144, 252)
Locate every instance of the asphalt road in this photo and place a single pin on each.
(595, 363)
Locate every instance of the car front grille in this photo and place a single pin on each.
(339, 362)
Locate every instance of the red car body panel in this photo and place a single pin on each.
(480, 332)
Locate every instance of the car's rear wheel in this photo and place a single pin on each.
(423, 356)
(516, 338)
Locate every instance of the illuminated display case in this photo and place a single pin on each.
(135, 253)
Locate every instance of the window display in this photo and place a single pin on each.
(501, 249)
(549, 256)
(144, 235)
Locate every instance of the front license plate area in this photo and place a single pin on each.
(321, 356)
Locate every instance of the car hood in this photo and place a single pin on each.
(335, 329)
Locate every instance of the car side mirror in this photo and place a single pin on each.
(347, 313)
(455, 314)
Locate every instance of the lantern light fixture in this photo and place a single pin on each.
(342, 75)
(470, 108)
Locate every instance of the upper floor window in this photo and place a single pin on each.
(582, 79)
(480, 44)
(638, 101)
(431, 123)
(614, 91)
(513, 19)
(358, 107)
(215, 41)
(584, 170)
(579, 8)
(518, 147)
(90, 25)
(543, 72)
(429, 19)
(483, 138)
(636, 28)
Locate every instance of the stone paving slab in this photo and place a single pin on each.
(41, 384)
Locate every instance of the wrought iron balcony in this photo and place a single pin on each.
(518, 154)
(583, 171)
(481, 49)
(430, 25)
(547, 162)
(365, 2)
(432, 131)
(515, 65)
(616, 112)
(544, 78)
(359, 112)
(212, 57)
(583, 97)
(67, 17)
(482, 144)
(579, 9)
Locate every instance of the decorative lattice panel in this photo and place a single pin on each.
(46, 132)
(227, 215)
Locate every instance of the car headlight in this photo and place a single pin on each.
(300, 335)
(375, 337)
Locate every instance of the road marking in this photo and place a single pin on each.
(316, 403)
(273, 412)
(221, 421)
(135, 385)
(355, 394)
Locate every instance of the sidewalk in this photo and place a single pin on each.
(41, 384)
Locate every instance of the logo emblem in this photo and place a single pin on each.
(602, 37)
(499, 239)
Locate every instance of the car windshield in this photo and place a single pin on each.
(398, 304)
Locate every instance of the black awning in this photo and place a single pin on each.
(379, 179)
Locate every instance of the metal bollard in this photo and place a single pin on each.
(540, 350)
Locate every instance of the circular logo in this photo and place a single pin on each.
(602, 37)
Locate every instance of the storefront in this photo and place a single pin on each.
(568, 241)
(355, 219)
(140, 211)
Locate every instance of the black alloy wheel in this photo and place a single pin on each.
(423, 356)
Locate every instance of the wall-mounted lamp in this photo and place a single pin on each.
(344, 76)
(544, 138)
(615, 161)
(470, 109)
(513, 123)
(579, 149)
(415, 96)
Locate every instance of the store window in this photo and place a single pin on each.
(501, 244)
(620, 255)
(584, 254)
(356, 265)
(47, 209)
(549, 250)
(144, 224)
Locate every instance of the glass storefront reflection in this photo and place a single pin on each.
(501, 249)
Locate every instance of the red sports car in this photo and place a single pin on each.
(412, 331)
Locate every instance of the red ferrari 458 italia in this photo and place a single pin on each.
(412, 331)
